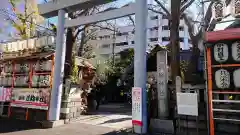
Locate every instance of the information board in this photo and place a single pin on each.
(187, 104)
(137, 106)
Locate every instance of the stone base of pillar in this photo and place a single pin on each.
(158, 126)
(52, 124)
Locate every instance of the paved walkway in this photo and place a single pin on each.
(70, 129)
(101, 123)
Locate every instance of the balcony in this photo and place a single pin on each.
(50, 9)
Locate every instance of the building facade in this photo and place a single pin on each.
(110, 42)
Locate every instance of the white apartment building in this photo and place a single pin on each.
(108, 43)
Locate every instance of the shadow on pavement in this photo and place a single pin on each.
(13, 125)
(121, 132)
(115, 120)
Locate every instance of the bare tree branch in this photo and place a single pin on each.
(155, 11)
(163, 8)
(185, 6)
(78, 31)
(132, 20)
(208, 15)
(189, 24)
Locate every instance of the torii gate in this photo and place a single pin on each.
(59, 8)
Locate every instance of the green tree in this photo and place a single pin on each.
(24, 22)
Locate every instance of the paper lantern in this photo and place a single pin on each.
(236, 51)
(222, 78)
(236, 78)
(235, 5)
(221, 52)
(218, 10)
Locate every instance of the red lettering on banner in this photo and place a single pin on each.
(5, 94)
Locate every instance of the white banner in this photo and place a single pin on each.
(5, 94)
(137, 106)
(187, 104)
(31, 98)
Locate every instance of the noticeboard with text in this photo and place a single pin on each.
(137, 106)
(31, 98)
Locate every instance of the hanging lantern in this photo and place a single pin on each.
(235, 5)
(221, 52)
(236, 51)
(218, 10)
(222, 78)
(236, 78)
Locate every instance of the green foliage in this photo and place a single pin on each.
(24, 22)
(117, 67)
(74, 77)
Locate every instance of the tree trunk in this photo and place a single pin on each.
(193, 63)
(81, 47)
(70, 40)
(174, 39)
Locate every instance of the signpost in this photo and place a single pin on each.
(137, 106)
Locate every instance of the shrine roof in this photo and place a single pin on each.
(28, 56)
(228, 34)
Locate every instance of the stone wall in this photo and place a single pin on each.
(71, 104)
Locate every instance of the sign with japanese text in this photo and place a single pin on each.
(137, 106)
(162, 81)
(5, 94)
(31, 98)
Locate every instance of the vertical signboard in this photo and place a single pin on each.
(137, 106)
(162, 79)
(5, 94)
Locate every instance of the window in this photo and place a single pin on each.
(154, 17)
(105, 55)
(165, 27)
(154, 28)
(153, 39)
(106, 36)
(164, 17)
(124, 33)
(133, 42)
(122, 44)
(100, 37)
(93, 38)
(165, 39)
(181, 39)
(119, 34)
(181, 28)
(105, 46)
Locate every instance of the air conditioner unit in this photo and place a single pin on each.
(218, 10)
(235, 5)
